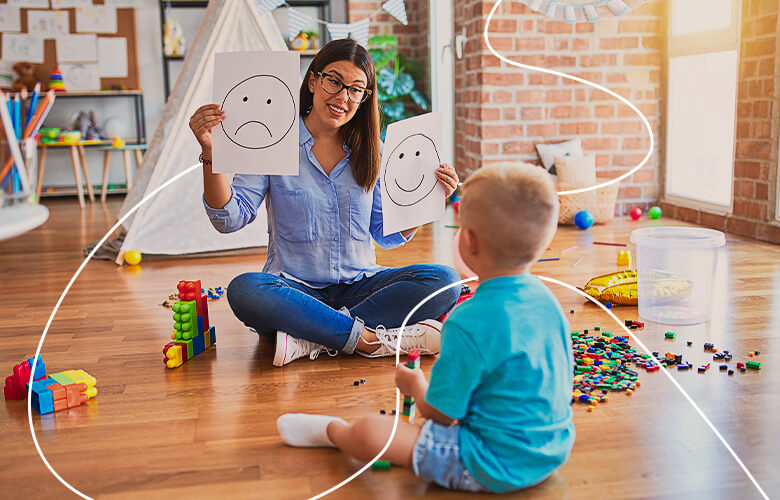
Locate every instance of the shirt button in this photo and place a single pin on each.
(336, 267)
(333, 210)
(328, 181)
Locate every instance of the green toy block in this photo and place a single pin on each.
(61, 378)
(755, 365)
(380, 465)
(185, 316)
(669, 335)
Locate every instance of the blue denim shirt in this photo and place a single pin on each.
(320, 227)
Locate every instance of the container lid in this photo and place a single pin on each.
(678, 237)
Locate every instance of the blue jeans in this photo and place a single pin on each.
(436, 459)
(334, 316)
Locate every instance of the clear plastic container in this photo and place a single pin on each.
(676, 271)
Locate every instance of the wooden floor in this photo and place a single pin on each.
(207, 429)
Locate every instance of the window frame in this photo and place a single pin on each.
(726, 39)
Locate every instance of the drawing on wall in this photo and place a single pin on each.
(48, 24)
(411, 192)
(22, 47)
(258, 91)
(80, 76)
(10, 19)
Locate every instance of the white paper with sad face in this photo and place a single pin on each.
(411, 192)
(259, 93)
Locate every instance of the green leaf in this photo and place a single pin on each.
(393, 110)
(382, 41)
(419, 99)
(414, 68)
(395, 86)
(383, 58)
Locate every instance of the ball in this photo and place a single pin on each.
(636, 213)
(583, 219)
(655, 212)
(133, 257)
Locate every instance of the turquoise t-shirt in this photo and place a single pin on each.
(506, 373)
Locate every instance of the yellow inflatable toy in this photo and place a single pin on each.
(621, 287)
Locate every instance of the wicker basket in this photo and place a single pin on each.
(600, 202)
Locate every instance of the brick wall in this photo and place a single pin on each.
(412, 38)
(758, 110)
(503, 111)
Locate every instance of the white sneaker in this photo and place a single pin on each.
(289, 348)
(425, 336)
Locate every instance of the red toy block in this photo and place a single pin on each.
(75, 396)
(205, 312)
(190, 290)
(58, 392)
(16, 384)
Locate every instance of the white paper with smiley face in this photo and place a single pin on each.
(258, 91)
(411, 192)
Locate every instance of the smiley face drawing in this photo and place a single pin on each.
(260, 111)
(410, 172)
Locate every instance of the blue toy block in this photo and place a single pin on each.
(200, 326)
(198, 344)
(213, 335)
(42, 398)
(40, 368)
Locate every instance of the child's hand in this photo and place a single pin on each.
(448, 178)
(203, 120)
(410, 381)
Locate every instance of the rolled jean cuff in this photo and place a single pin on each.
(354, 336)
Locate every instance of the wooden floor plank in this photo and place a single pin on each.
(207, 429)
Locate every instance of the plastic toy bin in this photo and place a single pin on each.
(675, 273)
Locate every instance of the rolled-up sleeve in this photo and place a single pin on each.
(247, 194)
(392, 240)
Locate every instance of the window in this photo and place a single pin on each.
(701, 101)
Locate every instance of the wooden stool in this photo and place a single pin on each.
(126, 159)
(79, 163)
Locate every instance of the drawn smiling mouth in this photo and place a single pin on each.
(254, 121)
(413, 189)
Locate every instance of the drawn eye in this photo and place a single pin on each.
(246, 98)
(268, 101)
(417, 154)
(401, 156)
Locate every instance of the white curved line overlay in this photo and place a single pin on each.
(586, 82)
(57, 306)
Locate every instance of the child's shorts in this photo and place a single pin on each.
(436, 459)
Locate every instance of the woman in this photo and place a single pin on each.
(321, 289)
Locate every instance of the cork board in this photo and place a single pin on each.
(125, 28)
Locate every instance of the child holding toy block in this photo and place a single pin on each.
(498, 402)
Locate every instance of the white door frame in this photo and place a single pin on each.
(441, 26)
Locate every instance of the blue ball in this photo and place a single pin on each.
(583, 219)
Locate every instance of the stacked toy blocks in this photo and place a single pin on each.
(55, 392)
(412, 361)
(192, 334)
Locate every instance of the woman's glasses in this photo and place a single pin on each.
(333, 85)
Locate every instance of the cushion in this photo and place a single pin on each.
(577, 171)
(547, 152)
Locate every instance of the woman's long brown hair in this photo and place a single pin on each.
(361, 133)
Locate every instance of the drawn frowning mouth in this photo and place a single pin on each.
(254, 121)
(413, 189)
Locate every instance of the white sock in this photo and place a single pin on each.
(304, 430)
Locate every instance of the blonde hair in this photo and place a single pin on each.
(513, 209)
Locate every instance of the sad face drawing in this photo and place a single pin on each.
(410, 172)
(260, 111)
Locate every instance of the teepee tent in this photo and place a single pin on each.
(174, 221)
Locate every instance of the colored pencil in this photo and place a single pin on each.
(47, 101)
(610, 244)
(13, 144)
(17, 117)
(453, 227)
(33, 103)
(564, 252)
(578, 261)
(545, 260)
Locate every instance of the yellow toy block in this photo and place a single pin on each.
(82, 377)
(207, 338)
(174, 357)
(624, 258)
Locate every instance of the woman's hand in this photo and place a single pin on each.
(410, 381)
(203, 120)
(448, 178)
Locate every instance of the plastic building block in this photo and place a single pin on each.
(173, 355)
(624, 258)
(61, 378)
(669, 335)
(356, 383)
(413, 362)
(186, 319)
(753, 365)
(82, 377)
(380, 465)
(42, 399)
(16, 384)
(191, 291)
